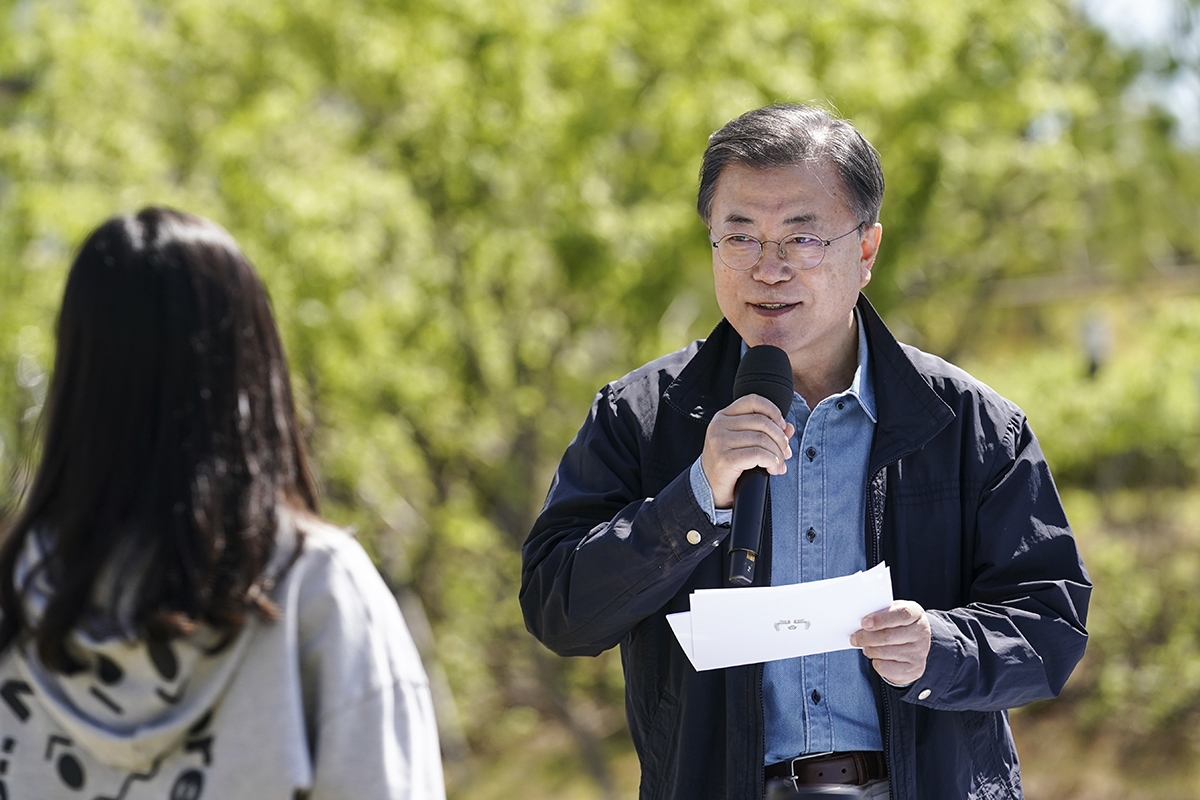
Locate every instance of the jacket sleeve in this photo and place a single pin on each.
(603, 554)
(1022, 631)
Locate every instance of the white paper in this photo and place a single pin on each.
(729, 627)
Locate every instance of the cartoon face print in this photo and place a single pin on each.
(67, 766)
(6, 747)
(15, 695)
(110, 675)
(199, 740)
(188, 786)
(59, 752)
(189, 783)
(164, 660)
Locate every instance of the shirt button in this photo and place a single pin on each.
(811, 453)
(841, 405)
(924, 695)
(693, 537)
(816, 696)
(811, 535)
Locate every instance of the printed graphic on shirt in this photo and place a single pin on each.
(6, 748)
(110, 675)
(30, 740)
(14, 695)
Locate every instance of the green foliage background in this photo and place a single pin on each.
(472, 213)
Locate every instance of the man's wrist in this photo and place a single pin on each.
(704, 496)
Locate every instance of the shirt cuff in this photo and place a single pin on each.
(704, 497)
(896, 685)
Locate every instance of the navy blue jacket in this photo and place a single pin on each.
(960, 504)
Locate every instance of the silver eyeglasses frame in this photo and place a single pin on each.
(746, 238)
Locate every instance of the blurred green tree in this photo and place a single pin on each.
(471, 214)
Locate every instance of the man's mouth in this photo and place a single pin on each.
(773, 306)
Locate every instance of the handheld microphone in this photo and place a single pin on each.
(766, 371)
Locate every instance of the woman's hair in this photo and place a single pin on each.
(170, 440)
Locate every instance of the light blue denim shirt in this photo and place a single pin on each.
(821, 703)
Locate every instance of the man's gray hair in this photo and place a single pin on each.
(786, 135)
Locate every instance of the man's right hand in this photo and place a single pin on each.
(749, 433)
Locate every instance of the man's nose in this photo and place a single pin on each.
(771, 268)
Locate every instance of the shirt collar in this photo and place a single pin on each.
(862, 388)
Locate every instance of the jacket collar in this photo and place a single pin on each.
(910, 413)
(705, 385)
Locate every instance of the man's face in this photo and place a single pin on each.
(806, 313)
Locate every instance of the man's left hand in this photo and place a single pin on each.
(896, 640)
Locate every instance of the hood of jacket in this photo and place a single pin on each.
(134, 700)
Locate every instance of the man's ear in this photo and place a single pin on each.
(871, 238)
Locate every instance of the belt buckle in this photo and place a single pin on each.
(792, 762)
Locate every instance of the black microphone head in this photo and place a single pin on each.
(766, 371)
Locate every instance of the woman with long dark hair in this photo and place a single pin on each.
(175, 619)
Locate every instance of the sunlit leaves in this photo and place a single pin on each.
(471, 214)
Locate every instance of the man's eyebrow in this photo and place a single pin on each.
(738, 219)
(800, 219)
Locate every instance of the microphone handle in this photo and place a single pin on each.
(745, 538)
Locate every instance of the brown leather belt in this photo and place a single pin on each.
(856, 768)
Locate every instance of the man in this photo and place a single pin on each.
(887, 453)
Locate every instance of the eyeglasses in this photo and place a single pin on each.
(799, 251)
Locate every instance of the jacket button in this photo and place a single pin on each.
(924, 695)
(693, 537)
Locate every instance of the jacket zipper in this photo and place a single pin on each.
(758, 670)
(762, 710)
(876, 522)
